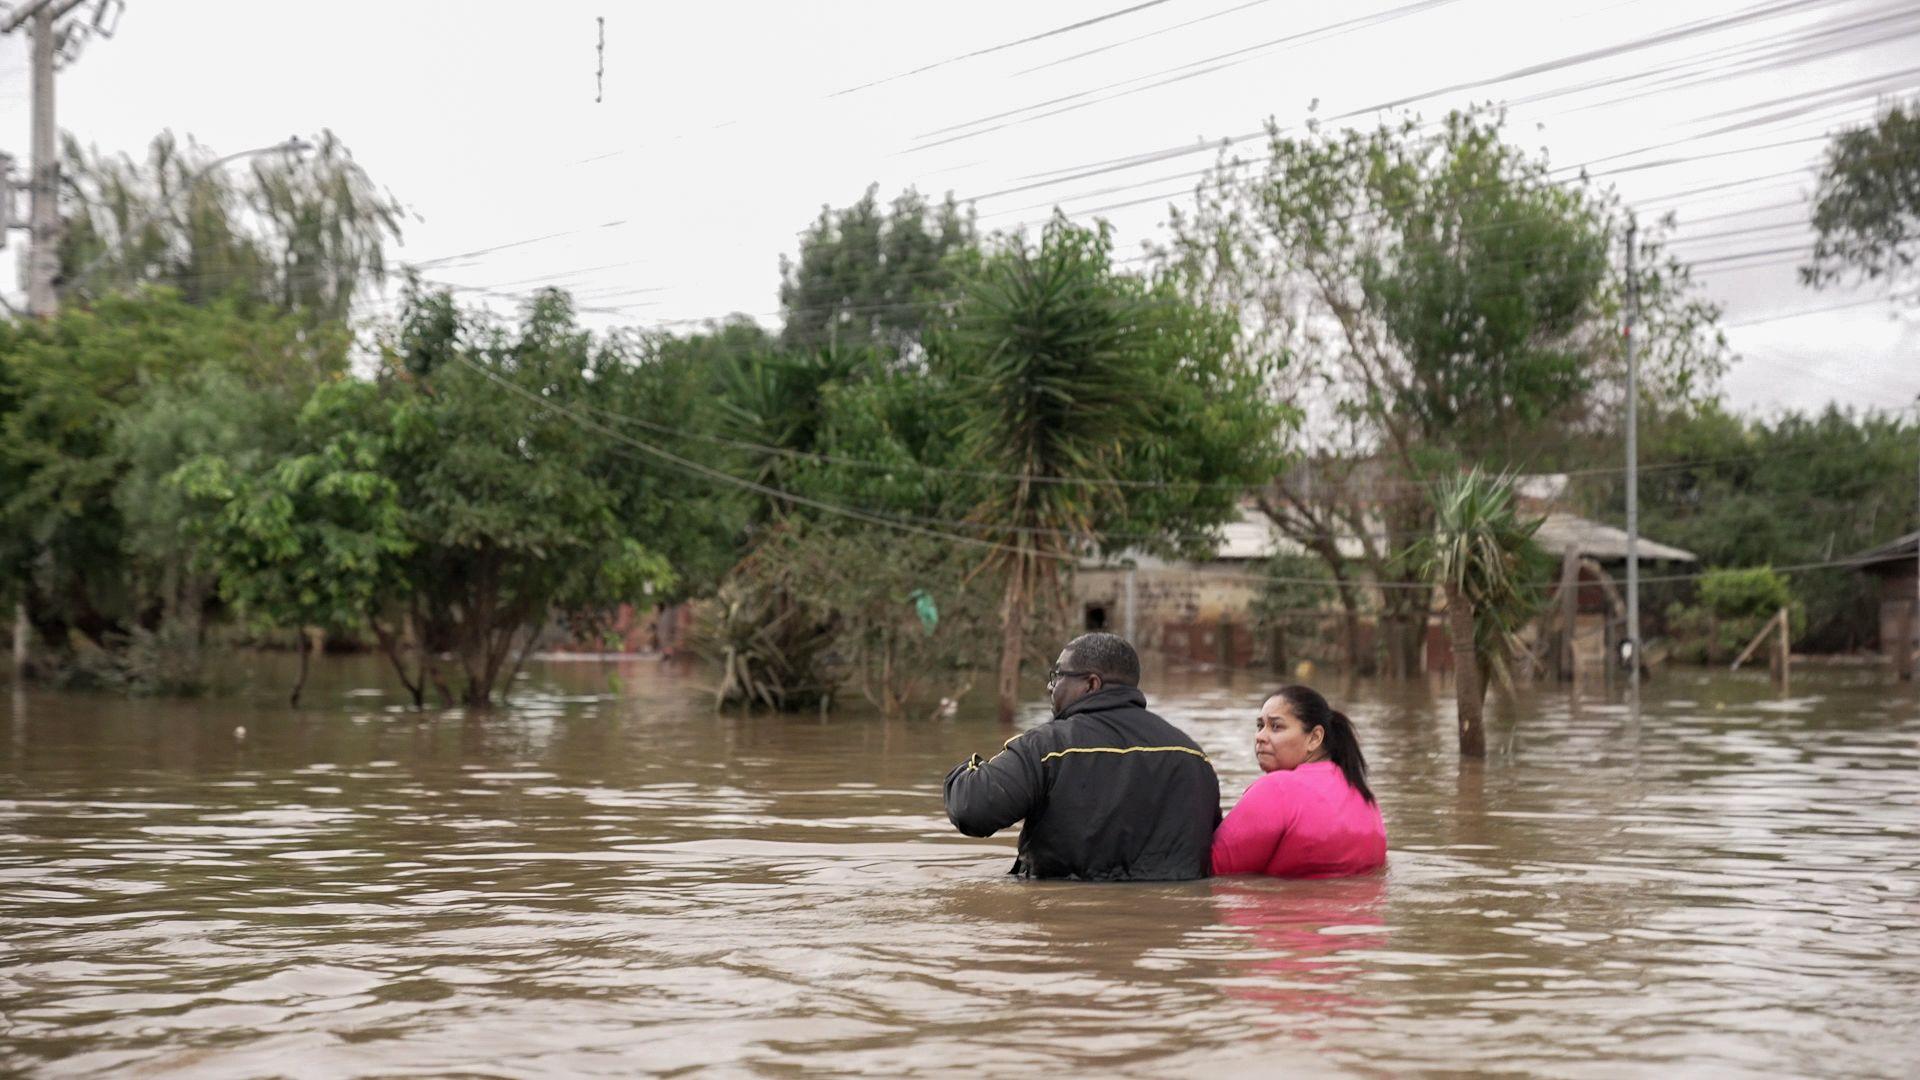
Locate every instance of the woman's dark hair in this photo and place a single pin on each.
(1342, 745)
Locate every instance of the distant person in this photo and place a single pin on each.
(1108, 790)
(1312, 814)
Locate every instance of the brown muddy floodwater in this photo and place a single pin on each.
(623, 883)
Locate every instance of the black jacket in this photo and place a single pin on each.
(1108, 790)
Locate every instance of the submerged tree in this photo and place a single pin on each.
(1446, 301)
(466, 495)
(1483, 558)
(98, 407)
(311, 539)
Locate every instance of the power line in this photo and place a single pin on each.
(991, 49)
(1237, 8)
(912, 526)
(1802, 314)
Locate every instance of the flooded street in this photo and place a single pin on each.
(595, 882)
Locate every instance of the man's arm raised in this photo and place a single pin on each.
(984, 797)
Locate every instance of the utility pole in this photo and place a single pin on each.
(1633, 475)
(52, 40)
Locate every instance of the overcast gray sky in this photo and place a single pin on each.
(724, 126)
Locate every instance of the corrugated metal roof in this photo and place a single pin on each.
(1898, 549)
(1250, 537)
(1595, 540)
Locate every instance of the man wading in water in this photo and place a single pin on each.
(1108, 790)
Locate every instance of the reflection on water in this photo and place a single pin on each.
(597, 884)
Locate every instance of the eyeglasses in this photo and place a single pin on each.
(1055, 675)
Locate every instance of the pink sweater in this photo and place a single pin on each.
(1306, 822)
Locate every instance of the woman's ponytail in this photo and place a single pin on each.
(1340, 742)
(1343, 748)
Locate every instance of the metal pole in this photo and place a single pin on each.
(1906, 647)
(43, 257)
(1131, 626)
(1633, 475)
(43, 220)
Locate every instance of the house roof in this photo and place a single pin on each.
(1250, 537)
(1899, 549)
(1595, 540)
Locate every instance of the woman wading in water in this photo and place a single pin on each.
(1312, 814)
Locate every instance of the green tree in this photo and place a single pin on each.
(1102, 409)
(1447, 302)
(307, 539)
(1792, 489)
(97, 407)
(1483, 558)
(670, 391)
(869, 275)
(1731, 607)
(855, 449)
(510, 486)
(302, 233)
(1867, 208)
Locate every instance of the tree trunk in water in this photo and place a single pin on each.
(1350, 629)
(1400, 642)
(300, 683)
(1013, 635)
(1468, 699)
(390, 644)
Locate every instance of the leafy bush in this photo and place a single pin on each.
(1731, 607)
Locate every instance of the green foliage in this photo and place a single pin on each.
(1732, 594)
(870, 276)
(1789, 490)
(668, 391)
(1732, 606)
(98, 406)
(875, 587)
(308, 539)
(1867, 208)
(454, 503)
(1447, 302)
(1440, 284)
(167, 662)
(1102, 404)
(1101, 409)
(770, 636)
(1482, 555)
(511, 507)
(300, 233)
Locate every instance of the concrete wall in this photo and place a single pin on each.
(1163, 596)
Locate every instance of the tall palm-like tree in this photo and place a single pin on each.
(1478, 555)
(1052, 357)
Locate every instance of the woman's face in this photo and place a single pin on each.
(1280, 742)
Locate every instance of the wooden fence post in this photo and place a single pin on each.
(1783, 649)
(1903, 649)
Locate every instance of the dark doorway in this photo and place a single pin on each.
(1096, 617)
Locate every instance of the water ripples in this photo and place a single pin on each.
(1726, 884)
